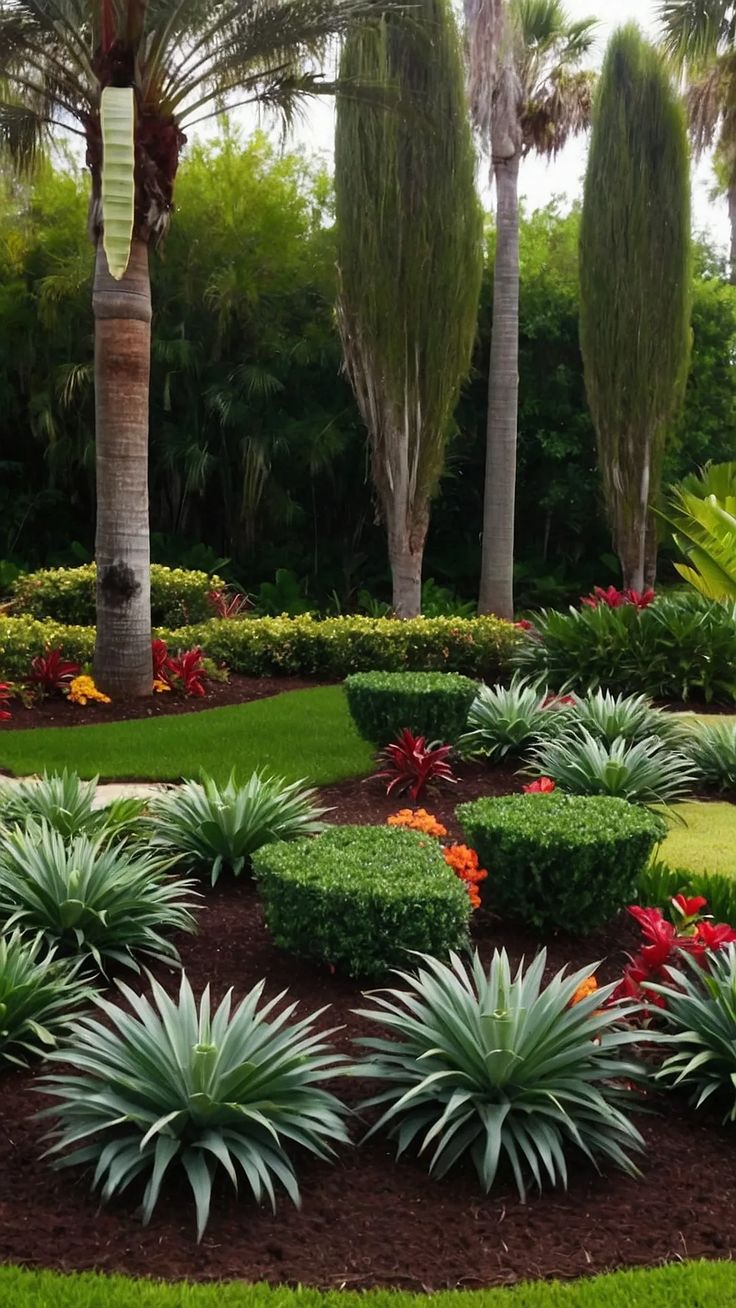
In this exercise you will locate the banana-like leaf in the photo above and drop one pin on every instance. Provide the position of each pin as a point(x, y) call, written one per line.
point(117, 118)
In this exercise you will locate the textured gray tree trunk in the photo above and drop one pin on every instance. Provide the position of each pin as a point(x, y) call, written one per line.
point(497, 554)
point(732, 216)
point(122, 312)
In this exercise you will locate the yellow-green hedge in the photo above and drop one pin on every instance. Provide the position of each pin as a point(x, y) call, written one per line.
point(178, 595)
point(302, 646)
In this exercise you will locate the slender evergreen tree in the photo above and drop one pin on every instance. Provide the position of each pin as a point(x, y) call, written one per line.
point(635, 285)
point(410, 262)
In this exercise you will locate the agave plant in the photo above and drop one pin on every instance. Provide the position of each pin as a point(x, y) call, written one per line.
point(646, 772)
point(214, 827)
point(87, 898)
point(508, 719)
point(499, 1067)
point(39, 996)
point(700, 1015)
point(712, 749)
point(628, 717)
point(66, 803)
point(163, 1082)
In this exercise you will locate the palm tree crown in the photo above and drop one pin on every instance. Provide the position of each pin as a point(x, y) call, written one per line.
point(185, 60)
point(556, 96)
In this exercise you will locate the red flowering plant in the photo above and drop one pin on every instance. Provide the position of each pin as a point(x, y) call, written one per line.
point(613, 598)
point(665, 942)
point(184, 672)
point(410, 764)
point(51, 672)
point(5, 695)
point(542, 786)
point(227, 604)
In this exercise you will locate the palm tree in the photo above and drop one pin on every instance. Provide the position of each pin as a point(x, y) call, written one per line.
point(635, 286)
point(528, 95)
point(700, 35)
point(410, 259)
point(128, 77)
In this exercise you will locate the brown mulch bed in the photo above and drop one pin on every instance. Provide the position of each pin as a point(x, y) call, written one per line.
point(58, 712)
point(370, 1220)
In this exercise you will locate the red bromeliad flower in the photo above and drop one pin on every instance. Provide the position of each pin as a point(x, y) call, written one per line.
point(160, 657)
point(613, 598)
point(227, 605)
point(524, 624)
point(689, 908)
point(411, 764)
point(543, 786)
point(666, 943)
point(188, 671)
point(712, 935)
point(558, 701)
point(5, 693)
point(52, 672)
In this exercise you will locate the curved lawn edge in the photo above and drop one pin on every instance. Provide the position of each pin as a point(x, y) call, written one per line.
point(297, 734)
point(681, 1285)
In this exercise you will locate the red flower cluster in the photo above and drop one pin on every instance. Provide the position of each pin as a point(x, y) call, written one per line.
point(226, 605)
point(666, 942)
point(411, 764)
point(524, 624)
point(544, 786)
point(558, 701)
point(615, 599)
point(4, 699)
point(464, 863)
point(185, 672)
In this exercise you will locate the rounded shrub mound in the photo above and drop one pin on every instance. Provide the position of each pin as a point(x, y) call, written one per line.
point(359, 897)
point(561, 861)
point(431, 704)
point(178, 596)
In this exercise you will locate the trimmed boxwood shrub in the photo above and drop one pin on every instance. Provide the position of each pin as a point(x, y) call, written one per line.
point(302, 646)
point(178, 595)
point(431, 704)
point(561, 861)
point(359, 897)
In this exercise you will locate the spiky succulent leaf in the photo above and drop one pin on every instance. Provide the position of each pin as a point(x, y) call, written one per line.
point(68, 805)
point(700, 1017)
point(501, 1068)
point(507, 720)
point(164, 1082)
point(647, 772)
point(220, 827)
point(712, 748)
point(39, 997)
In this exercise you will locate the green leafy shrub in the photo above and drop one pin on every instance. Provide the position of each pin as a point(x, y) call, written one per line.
point(219, 827)
point(712, 748)
point(39, 996)
point(560, 861)
point(430, 704)
point(66, 803)
point(631, 718)
point(164, 1082)
point(679, 648)
point(507, 720)
point(301, 646)
point(499, 1068)
point(700, 1019)
point(659, 883)
point(647, 772)
point(110, 903)
point(67, 595)
point(359, 897)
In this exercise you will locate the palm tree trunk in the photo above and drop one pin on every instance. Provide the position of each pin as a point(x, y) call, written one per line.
point(122, 311)
point(497, 555)
point(406, 555)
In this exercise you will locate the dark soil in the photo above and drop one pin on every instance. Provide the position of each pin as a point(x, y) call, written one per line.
point(370, 1220)
point(359, 802)
point(58, 712)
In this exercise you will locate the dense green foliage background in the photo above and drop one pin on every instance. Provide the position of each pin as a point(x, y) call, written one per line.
point(257, 450)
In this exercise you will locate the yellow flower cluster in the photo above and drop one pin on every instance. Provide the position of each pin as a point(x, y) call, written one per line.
point(160, 686)
point(83, 689)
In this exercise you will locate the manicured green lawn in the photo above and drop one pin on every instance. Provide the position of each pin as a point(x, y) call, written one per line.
point(707, 843)
point(683, 1285)
point(302, 733)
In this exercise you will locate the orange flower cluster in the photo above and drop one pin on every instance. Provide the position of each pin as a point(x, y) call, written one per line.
point(586, 988)
point(417, 820)
point(464, 863)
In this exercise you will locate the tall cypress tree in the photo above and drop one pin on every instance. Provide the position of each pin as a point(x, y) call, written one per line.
point(410, 260)
point(635, 286)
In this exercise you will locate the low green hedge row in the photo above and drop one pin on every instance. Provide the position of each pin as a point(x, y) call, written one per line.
point(302, 646)
point(430, 704)
point(557, 861)
point(178, 595)
point(358, 898)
